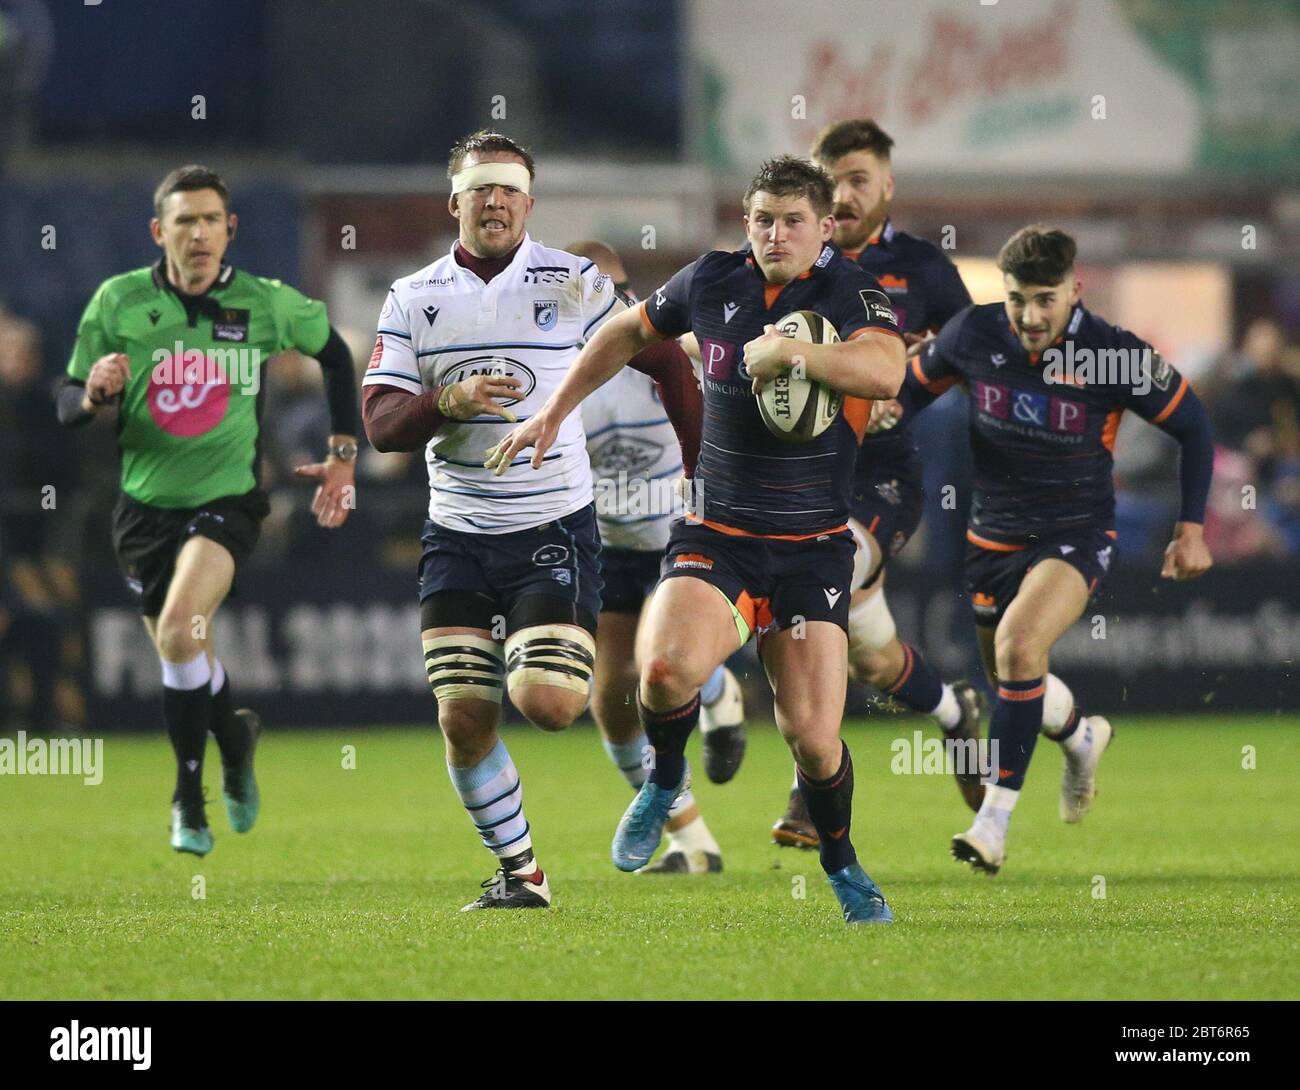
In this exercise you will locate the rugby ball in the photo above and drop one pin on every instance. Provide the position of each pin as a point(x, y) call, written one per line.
point(797, 409)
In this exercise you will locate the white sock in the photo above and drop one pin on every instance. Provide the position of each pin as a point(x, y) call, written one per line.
point(681, 803)
point(187, 675)
point(1080, 740)
point(996, 808)
point(694, 837)
point(948, 712)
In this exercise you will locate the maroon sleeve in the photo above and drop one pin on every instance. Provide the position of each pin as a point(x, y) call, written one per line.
point(399, 420)
point(670, 367)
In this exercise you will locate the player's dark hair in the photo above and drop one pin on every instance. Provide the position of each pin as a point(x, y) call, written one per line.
point(856, 134)
point(188, 179)
point(790, 176)
point(486, 140)
point(1038, 254)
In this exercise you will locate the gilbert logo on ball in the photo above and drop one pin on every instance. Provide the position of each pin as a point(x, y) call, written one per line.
point(795, 408)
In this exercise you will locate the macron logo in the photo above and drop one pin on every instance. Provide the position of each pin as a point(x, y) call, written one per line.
point(832, 596)
point(431, 313)
point(729, 311)
point(121, 1043)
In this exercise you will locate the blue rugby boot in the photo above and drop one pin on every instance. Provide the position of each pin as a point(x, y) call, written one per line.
point(238, 785)
point(642, 826)
point(859, 896)
point(189, 828)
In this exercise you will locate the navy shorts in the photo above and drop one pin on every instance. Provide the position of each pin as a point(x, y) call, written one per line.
point(888, 499)
point(772, 583)
point(478, 577)
point(630, 575)
point(993, 576)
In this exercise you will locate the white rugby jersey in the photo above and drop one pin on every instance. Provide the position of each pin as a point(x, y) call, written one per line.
point(443, 324)
point(636, 461)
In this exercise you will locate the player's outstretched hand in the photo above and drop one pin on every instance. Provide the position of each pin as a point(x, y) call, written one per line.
point(337, 492)
point(108, 375)
point(474, 397)
point(884, 415)
point(1186, 556)
point(537, 432)
point(768, 356)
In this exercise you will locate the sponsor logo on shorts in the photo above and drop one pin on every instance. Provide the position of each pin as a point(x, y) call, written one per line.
point(562, 576)
point(550, 555)
point(692, 560)
point(832, 595)
point(984, 604)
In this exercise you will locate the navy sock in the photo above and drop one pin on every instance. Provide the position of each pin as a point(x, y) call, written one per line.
point(918, 686)
point(1013, 729)
point(830, 805)
point(187, 712)
point(668, 732)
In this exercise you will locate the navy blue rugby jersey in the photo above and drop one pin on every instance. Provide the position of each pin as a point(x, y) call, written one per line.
point(751, 482)
point(1042, 425)
point(925, 291)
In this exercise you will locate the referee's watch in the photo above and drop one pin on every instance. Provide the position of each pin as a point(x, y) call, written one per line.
point(344, 452)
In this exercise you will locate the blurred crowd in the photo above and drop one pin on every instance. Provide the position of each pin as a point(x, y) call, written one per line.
point(56, 488)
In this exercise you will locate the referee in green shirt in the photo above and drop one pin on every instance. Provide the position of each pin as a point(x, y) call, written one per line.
point(181, 347)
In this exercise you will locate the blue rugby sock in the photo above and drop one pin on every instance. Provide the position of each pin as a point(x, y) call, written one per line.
point(918, 686)
point(1013, 729)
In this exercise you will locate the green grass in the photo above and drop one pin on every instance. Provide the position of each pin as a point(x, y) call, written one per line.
point(350, 885)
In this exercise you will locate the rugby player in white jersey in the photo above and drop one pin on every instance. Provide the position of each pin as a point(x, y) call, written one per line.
point(636, 460)
point(510, 574)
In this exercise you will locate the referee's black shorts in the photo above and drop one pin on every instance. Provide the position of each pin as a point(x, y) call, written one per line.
point(146, 539)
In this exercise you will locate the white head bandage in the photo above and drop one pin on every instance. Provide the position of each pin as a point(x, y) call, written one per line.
point(515, 174)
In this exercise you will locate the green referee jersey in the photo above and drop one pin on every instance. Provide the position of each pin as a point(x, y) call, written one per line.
point(189, 415)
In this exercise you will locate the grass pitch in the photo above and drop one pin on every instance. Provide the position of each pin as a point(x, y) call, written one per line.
point(350, 885)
